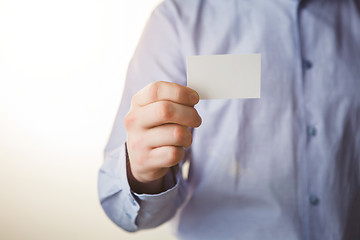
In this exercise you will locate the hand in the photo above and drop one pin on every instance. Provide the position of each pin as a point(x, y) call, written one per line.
point(157, 128)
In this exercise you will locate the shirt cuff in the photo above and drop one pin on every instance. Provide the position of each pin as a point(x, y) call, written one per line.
point(156, 209)
point(171, 183)
point(152, 210)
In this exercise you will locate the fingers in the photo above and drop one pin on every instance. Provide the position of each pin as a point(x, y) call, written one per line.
point(163, 112)
point(165, 91)
point(169, 135)
point(166, 156)
point(157, 128)
point(157, 163)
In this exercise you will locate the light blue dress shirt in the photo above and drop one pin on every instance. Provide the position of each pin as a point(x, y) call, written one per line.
point(286, 166)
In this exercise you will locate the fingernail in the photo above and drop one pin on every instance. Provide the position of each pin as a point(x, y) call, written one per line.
point(194, 97)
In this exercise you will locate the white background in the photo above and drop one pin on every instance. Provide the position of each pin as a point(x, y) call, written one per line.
point(62, 67)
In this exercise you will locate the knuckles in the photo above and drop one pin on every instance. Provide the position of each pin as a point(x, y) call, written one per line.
point(179, 133)
point(175, 154)
point(134, 144)
point(153, 90)
point(178, 94)
point(182, 136)
point(165, 110)
point(137, 153)
point(129, 120)
point(156, 91)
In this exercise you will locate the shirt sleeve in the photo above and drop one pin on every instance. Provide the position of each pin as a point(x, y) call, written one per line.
point(132, 211)
point(157, 58)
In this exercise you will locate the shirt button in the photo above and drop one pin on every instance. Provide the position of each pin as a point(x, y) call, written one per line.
point(307, 64)
point(311, 131)
point(314, 200)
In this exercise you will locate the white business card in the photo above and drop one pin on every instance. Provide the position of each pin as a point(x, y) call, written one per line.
point(225, 76)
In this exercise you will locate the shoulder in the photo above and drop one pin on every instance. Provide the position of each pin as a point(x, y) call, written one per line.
point(185, 9)
point(178, 7)
point(182, 4)
point(182, 7)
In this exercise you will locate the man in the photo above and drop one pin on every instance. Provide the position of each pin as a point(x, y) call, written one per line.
point(286, 166)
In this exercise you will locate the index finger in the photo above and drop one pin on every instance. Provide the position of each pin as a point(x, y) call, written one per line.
point(166, 91)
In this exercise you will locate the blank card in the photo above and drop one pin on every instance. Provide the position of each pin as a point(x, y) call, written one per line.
point(225, 76)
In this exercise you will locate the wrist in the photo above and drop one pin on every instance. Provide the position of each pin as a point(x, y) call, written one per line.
point(152, 187)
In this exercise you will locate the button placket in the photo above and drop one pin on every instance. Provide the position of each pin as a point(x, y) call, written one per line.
point(314, 200)
point(307, 64)
point(311, 131)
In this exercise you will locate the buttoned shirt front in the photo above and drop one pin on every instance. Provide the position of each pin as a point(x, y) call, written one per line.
point(285, 166)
